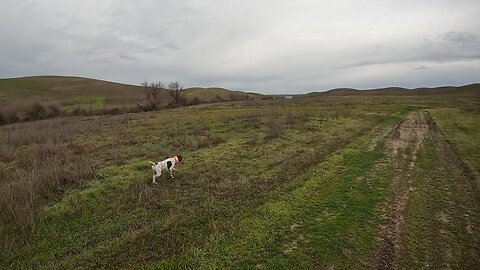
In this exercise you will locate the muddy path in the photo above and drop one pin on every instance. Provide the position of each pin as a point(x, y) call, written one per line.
point(403, 146)
point(444, 230)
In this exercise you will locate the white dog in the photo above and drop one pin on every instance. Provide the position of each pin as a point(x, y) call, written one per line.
point(166, 165)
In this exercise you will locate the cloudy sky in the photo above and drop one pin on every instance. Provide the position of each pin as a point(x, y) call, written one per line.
point(269, 46)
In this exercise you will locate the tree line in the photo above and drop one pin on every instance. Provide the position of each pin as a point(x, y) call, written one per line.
point(153, 95)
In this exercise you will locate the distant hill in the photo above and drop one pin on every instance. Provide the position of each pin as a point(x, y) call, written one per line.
point(214, 94)
point(471, 89)
point(71, 92)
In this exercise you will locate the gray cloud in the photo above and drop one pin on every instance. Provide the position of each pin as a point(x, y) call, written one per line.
point(268, 46)
point(463, 37)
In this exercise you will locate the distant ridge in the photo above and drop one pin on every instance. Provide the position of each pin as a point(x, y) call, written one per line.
point(398, 91)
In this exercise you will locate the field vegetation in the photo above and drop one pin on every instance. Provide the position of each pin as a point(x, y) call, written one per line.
point(319, 182)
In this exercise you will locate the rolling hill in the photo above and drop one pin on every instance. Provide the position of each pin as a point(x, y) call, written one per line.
point(71, 92)
point(218, 94)
point(398, 91)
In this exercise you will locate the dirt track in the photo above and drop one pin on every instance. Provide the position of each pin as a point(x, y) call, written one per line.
point(408, 135)
point(455, 190)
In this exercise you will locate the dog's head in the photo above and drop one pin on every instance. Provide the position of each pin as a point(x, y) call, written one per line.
point(180, 158)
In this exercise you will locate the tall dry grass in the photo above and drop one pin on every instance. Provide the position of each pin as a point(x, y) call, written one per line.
point(39, 159)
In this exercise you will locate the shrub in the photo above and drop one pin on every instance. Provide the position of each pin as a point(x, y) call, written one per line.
point(12, 118)
point(53, 111)
point(114, 111)
point(275, 128)
point(135, 109)
point(195, 101)
point(79, 111)
point(36, 112)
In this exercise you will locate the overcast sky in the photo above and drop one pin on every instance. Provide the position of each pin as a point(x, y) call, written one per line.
point(268, 46)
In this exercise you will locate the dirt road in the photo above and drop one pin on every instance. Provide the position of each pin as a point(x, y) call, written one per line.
point(439, 232)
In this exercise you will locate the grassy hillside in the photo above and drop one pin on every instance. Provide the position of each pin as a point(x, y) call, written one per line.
point(68, 92)
point(216, 94)
point(376, 182)
point(71, 92)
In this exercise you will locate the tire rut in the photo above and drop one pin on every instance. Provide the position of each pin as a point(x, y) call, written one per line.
point(403, 146)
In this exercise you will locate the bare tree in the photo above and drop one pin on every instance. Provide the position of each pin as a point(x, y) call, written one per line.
point(152, 95)
point(175, 90)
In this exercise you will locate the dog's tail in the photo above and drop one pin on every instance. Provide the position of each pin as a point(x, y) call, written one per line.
point(152, 163)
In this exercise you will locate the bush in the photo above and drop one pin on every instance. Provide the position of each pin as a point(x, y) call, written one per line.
point(79, 111)
point(53, 111)
point(12, 118)
point(114, 111)
point(36, 112)
point(275, 128)
point(195, 101)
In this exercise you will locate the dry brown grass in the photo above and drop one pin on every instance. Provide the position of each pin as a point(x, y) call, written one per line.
point(195, 139)
point(37, 160)
point(252, 120)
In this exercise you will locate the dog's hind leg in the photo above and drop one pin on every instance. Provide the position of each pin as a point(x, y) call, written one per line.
point(153, 179)
point(155, 175)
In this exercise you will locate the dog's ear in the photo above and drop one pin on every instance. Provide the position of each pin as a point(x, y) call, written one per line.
point(180, 158)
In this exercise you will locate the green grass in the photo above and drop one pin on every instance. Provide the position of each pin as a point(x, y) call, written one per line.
point(463, 128)
point(441, 212)
point(67, 92)
point(247, 166)
point(327, 219)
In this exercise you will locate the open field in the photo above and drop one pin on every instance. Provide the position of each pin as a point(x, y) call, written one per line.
point(344, 182)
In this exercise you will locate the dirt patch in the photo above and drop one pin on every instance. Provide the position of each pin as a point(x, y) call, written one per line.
point(292, 246)
point(406, 137)
point(409, 132)
point(443, 217)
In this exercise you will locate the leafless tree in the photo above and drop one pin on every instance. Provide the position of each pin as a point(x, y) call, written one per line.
point(175, 90)
point(152, 95)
